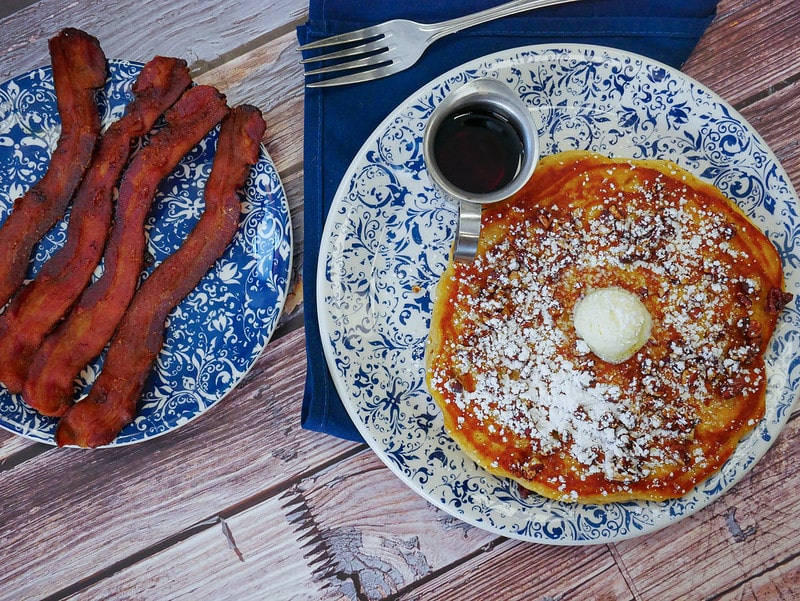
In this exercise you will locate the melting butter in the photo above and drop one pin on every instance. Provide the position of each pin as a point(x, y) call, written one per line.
point(612, 322)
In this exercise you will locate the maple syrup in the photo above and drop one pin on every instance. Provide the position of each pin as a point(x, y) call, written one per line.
point(478, 150)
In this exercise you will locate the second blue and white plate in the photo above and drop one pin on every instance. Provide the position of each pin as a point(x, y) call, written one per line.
point(388, 236)
point(216, 334)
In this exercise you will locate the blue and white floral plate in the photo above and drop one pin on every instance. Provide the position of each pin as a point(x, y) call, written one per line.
point(218, 331)
point(389, 233)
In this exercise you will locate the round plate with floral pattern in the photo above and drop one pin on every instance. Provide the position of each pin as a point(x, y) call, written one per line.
point(388, 237)
point(218, 331)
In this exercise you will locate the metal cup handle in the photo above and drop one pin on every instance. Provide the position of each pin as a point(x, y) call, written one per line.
point(494, 95)
point(469, 231)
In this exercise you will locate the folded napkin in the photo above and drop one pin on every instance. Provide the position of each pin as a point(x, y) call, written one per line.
point(338, 120)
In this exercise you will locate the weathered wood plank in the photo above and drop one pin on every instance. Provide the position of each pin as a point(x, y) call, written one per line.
point(11, 6)
point(750, 47)
point(270, 77)
point(68, 514)
point(200, 31)
point(751, 531)
point(361, 533)
point(12, 444)
point(230, 559)
point(358, 532)
point(353, 531)
point(518, 571)
point(775, 119)
point(771, 583)
point(374, 536)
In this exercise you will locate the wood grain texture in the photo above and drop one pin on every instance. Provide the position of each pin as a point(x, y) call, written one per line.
point(202, 32)
point(756, 42)
point(268, 78)
point(775, 118)
point(368, 536)
point(9, 444)
point(12, 445)
point(226, 559)
point(537, 572)
point(354, 533)
point(242, 503)
point(373, 536)
point(779, 581)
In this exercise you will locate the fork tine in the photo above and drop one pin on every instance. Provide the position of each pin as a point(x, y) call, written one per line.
point(376, 60)
point(377, 73)
point(345, 38)
point(365, 48)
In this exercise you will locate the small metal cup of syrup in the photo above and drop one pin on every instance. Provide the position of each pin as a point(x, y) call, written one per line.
point(480, 146)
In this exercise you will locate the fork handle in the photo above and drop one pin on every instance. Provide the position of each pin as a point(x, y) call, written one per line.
point(439, 30)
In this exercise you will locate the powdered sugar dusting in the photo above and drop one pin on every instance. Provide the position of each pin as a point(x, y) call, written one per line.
point(521, 371)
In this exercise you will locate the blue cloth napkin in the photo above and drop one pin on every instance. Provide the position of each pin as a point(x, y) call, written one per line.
point(338, 120)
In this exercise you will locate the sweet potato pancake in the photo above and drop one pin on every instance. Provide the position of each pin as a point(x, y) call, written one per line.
point(668, 270)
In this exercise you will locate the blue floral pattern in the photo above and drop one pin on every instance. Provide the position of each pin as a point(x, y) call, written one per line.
point(216, 334)
point(389, 234)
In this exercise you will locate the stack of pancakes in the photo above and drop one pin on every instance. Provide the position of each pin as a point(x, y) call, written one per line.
point(525, 396)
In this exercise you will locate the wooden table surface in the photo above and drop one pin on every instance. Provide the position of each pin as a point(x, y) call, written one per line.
point(244, 504)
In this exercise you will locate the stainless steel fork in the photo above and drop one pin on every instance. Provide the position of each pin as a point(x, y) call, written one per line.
point(393, 46)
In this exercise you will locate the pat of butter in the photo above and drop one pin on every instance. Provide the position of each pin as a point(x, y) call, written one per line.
point(612, 322)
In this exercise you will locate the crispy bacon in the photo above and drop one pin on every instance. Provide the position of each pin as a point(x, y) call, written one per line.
point(79, 70)
point(92, 320)
point(59, 283)
point(111, 403)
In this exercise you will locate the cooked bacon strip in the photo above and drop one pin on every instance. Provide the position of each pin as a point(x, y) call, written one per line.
point(79, 70)
point(111, 403)
point(60, 281)
point(92, 320)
